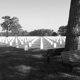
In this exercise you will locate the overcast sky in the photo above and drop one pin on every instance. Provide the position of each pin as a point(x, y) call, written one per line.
point(37, 14)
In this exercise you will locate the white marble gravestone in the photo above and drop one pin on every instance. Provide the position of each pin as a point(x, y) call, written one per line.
point(26, 47)
point(41, 43)
point(30, 44)
point(55, 45)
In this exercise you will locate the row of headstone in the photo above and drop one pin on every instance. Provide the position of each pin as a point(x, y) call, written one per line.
point(57, 39)
point(32, 41)
point(54, 40)
point(51, 42)
point(28, 41)
point(16, 40)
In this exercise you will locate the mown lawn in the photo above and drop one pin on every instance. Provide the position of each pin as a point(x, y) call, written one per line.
point(17, 64)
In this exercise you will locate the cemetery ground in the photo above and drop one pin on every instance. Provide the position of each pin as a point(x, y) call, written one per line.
point(17, 64)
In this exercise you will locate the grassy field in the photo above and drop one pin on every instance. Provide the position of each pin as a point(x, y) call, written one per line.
point(17, 64)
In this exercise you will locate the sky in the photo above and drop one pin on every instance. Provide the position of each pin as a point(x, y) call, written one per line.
point(37, 14)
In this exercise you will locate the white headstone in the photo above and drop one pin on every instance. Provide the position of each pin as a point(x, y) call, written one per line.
point(41, 44)
point(25, 40)
point(10, 43)
point(26, 47)
point(3, 41)
point(51, 43)
point(6, 41)
point(55, 45)
point(64, 39)
point(16, 41)
point(30, 44)
point(57, 40)
point(22, 42)
point(60, 41)
point(17, 46)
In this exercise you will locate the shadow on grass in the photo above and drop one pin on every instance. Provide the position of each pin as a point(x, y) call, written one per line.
point(31, 65)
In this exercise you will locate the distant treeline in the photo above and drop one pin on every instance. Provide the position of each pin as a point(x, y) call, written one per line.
point(39, 32)
point(12, 27)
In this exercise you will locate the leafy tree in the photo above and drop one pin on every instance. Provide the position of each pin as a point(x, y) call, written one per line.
point(62, 30)
point(49, 32)
point(6, 24)
point(41, 32)
point(55, 34)
point(73, 28)
point(11, 24)
point(15, 26)
point(25, 33)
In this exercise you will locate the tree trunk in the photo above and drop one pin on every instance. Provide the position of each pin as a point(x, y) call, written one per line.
point(73, 26)
point(7, 32)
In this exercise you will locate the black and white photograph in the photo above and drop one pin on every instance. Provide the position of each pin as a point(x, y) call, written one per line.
point(39, 39)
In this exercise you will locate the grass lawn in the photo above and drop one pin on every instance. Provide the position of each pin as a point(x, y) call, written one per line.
point(18, 64)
